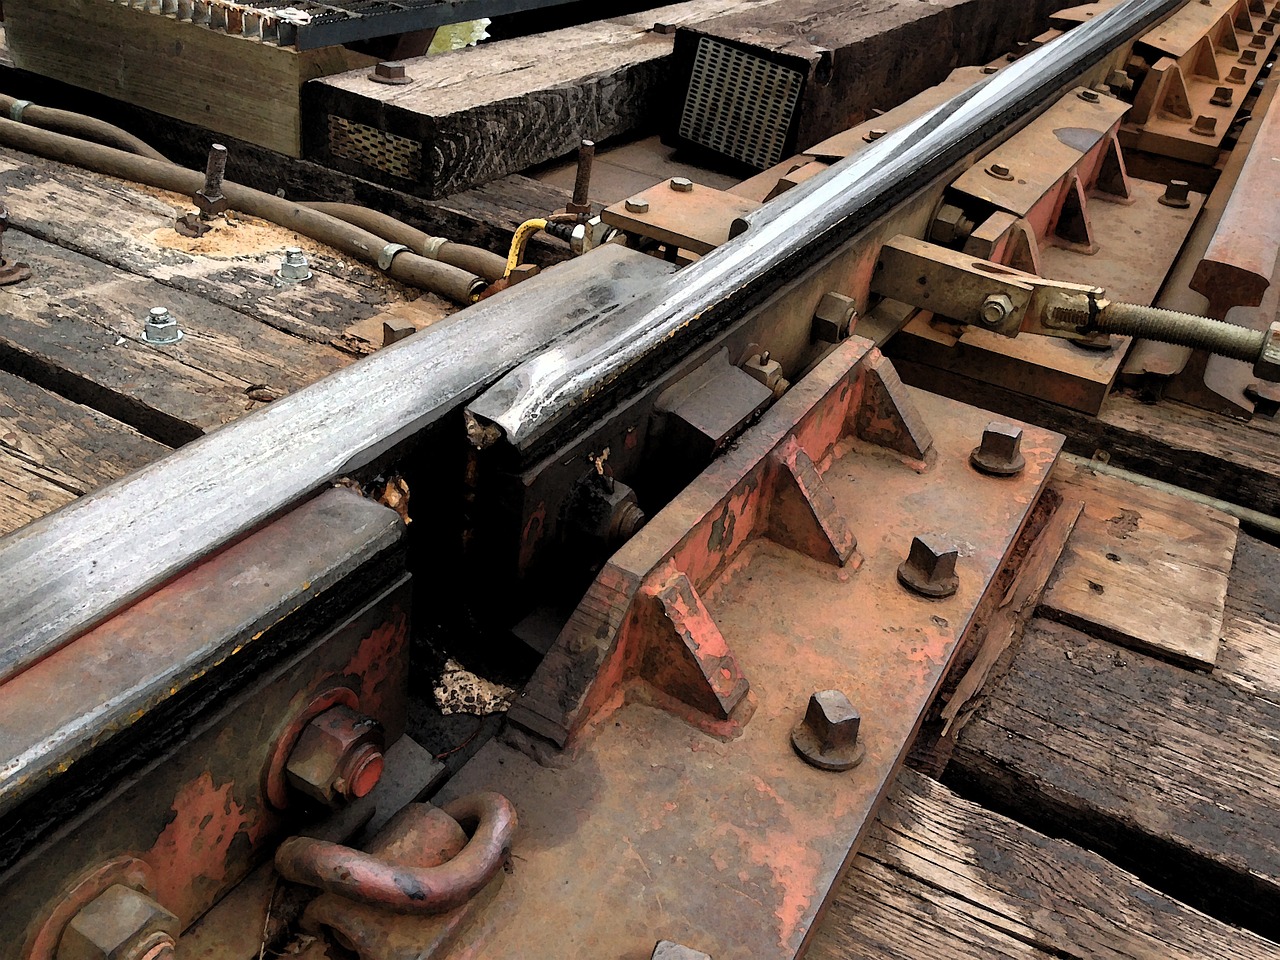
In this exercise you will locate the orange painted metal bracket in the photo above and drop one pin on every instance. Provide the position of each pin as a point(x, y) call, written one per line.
point(650, 758)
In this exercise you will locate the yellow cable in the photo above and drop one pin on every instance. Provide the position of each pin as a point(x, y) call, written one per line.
point(518, 241)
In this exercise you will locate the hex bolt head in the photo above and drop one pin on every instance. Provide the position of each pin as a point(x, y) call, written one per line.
point(950, 225)
point(390, 72)
point(294, 266)
point(1177, 194)
point(1259, 41)
point(681, 184)
point(161, 327)
point(999, 171)
point(337, 757)
point(119, 924)
point(1248, 57)
point(834, 318)
point(1268, 364)
point(930, 567)
point(827, 737)
point(1221, 97)
point(1236, 75)
point(1205, 125)
point(637, 205)
point(995, 310)
point(1089, 96)
point(1268, 27)
point(1000, 453)
point(874, 134)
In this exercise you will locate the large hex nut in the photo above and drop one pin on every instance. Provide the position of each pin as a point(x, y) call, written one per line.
point(210, 207)
point(834, 318)
point(1268, 365)
point(338, 757)
point(120, 924)
point(950, 226)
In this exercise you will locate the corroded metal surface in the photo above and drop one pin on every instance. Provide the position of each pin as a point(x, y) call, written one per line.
point(705, 827)
point(161, 763)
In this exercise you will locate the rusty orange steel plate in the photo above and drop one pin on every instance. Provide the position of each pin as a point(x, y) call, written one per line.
point(701, 825)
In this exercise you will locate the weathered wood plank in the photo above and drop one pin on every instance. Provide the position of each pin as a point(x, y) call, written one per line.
point(75, 327)
point(52, 451)
point(1168, 772)
point(939, 877)
point(475, 115)
point(1250, 654)
point(856, 58)
point(1143, 568)
point(230, 84)
point(131, 227)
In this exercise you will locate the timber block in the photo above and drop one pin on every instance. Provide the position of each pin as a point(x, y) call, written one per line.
point(228, 84)
point(806, 83)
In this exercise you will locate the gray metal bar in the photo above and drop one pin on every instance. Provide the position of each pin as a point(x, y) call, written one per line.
point(70, 570)
point(581, 378)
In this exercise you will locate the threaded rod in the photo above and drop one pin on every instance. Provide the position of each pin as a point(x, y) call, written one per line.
point(1181, 329)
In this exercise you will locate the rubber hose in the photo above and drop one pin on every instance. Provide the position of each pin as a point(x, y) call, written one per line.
point(477, 260)
point(81, 126)
point(407, 267)
point(518, 241)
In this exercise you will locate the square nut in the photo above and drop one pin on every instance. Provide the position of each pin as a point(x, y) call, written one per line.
point(1268, 365)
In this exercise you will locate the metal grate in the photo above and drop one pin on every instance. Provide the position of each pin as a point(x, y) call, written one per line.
point(396, 155)
point(739, 105)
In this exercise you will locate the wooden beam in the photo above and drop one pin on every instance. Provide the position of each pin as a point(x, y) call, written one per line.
point(1168, 772)
point(941, 877)
point(476, 115)
point(228, 84)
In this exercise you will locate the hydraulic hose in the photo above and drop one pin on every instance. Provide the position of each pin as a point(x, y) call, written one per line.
point(477, 260)
point(519, 240)
point(394, 259)
point(76, 125)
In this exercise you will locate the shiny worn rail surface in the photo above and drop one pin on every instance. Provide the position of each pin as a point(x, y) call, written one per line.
point(71, 569)
point(577, 380)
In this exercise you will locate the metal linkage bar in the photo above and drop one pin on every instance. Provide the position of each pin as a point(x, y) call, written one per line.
point(587, 376)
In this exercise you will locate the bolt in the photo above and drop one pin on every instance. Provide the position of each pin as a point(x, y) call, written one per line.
point(988, 70)
point(119, 924)
point(930, 567)
point(637, 205)
point(1177, 194)
point(1000, 454)
point(995, 310)
point(834, 318)
point(160, 327)
point(1258, 41)
point(294, 267)
point(950, 225)
point(669, 950)
point(1267, 27)
point(581, 202)
point(1119, 80)
point(681, 184)
point(1248, 57)
point(1267, 366)
point(337, 758)
point(1089, 96)
point(1205, 125)
point(874, 134)
point(1236, 75)
point(391, 72)
point(1221, 97)
point(827, 737)
point(999, 171)
point(209, 198)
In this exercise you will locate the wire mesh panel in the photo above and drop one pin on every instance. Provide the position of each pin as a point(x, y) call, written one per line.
point(361, 143)
point(739, 105)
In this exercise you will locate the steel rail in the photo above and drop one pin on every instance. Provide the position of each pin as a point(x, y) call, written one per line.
point(578, 381)
point(68, 571)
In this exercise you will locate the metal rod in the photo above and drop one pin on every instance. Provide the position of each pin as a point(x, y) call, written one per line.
point(1255, 518)
point(789, 234)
